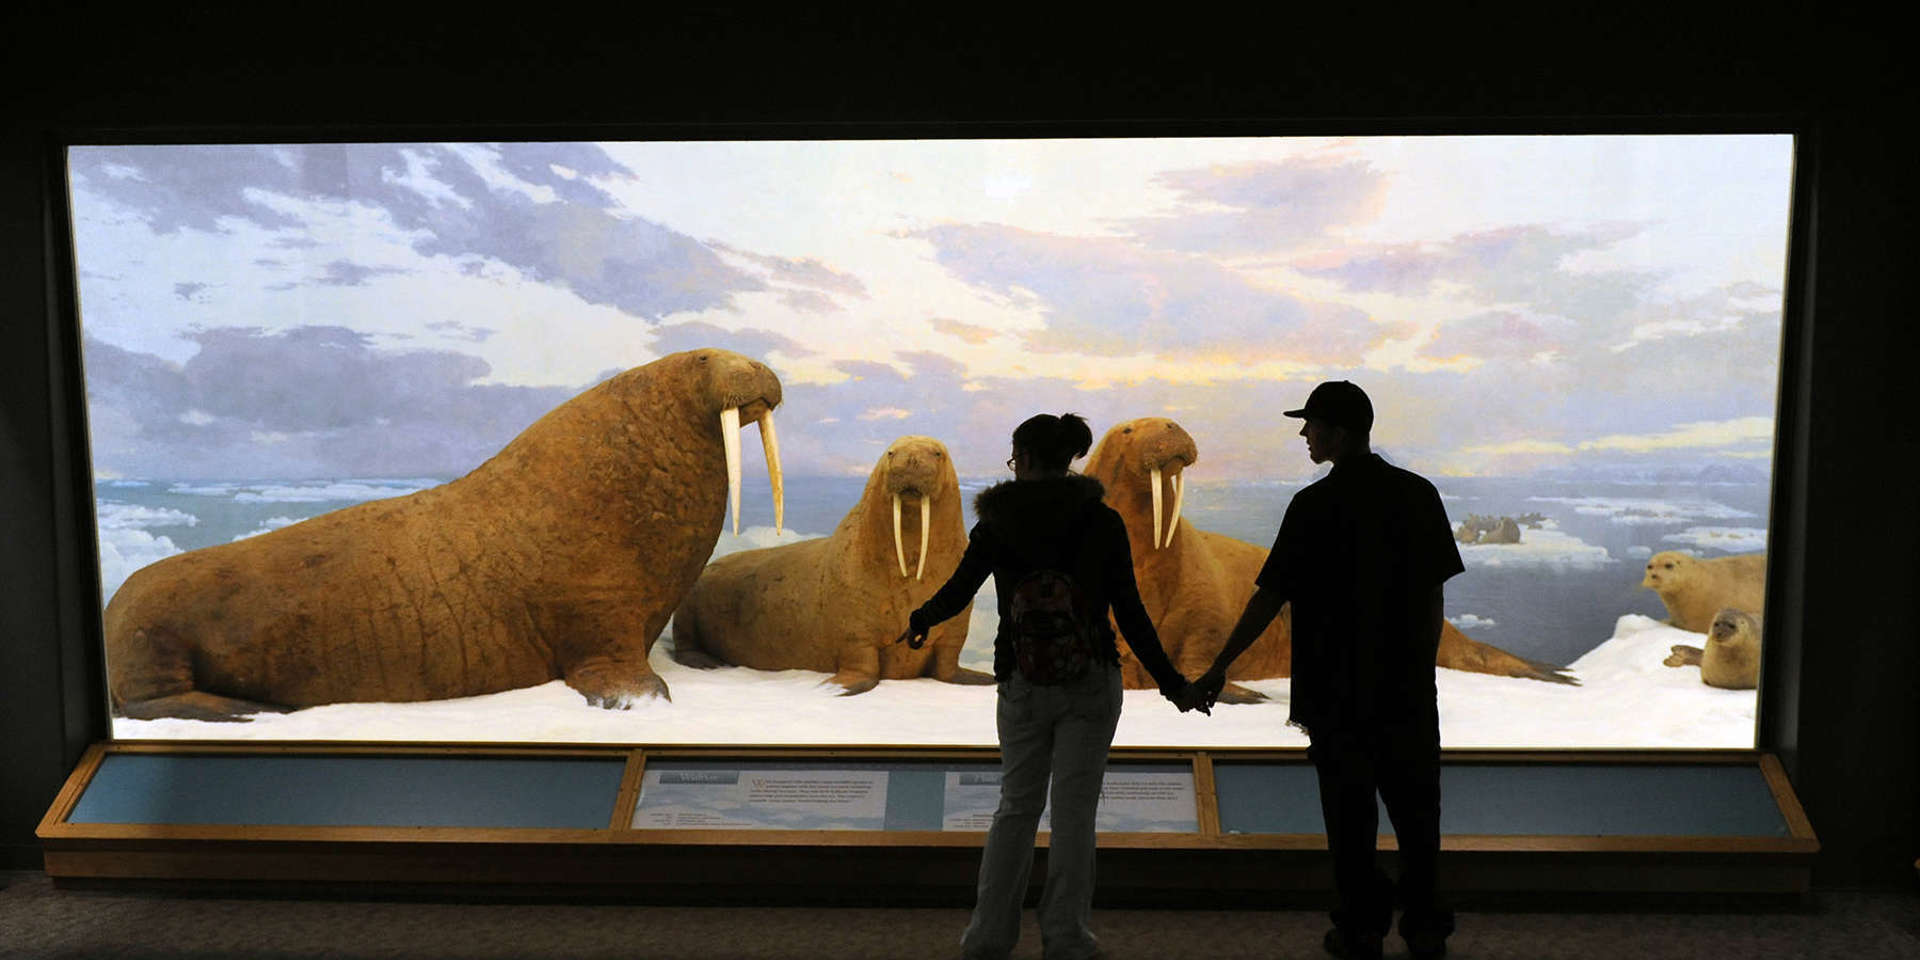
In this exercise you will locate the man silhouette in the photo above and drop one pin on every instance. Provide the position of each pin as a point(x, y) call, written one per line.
point(1361, 555)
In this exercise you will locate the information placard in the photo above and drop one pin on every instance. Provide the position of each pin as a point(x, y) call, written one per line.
point(1131, 801)
point(750, 799)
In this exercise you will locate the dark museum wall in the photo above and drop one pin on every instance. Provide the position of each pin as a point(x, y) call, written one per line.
point(1846, 717)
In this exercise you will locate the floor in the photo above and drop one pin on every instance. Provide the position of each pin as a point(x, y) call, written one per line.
point(38, 920)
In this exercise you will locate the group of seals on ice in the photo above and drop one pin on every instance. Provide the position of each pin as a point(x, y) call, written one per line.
point(1722, 597)
point(565, 555)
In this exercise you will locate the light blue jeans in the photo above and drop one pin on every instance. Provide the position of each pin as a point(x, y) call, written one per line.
point(1047, 734)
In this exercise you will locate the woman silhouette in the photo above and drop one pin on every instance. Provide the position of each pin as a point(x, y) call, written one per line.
point(1047, 527)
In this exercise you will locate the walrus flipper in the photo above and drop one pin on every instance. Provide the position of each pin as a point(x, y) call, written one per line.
point(615, 681)
point(947, 668)
point(859, 670)
point(197, 705)
point(1235, 693)
point(686, 649)
point(1548, 672)
point(1460, 652)
point(1684, 656)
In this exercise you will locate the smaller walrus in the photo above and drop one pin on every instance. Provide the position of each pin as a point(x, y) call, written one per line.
point(1695, 589)
point(1732, 656)
point(833, 604)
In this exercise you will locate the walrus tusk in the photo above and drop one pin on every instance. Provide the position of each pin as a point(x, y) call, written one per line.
point(771, 444)
point(1156, 508)
point(926, 521)
point(1179, 495)
point(730, 439)
point(899, 552)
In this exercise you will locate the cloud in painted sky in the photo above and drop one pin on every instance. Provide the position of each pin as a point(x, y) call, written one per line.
point(1686, 436)
point(1110, 297)
point(313, 401)
point(1268, 206)
point(1519, 264)
point(803, 272)
point(509, 202)
point(964, 332)
point(673, 338)
point(492, 249)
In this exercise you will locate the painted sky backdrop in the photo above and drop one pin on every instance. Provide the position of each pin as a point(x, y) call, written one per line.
point(1512, 304)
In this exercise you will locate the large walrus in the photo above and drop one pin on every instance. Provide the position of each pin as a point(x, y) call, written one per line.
point(1694, 589)
point(562, 556)
point(1194, 583)
point(835, 604)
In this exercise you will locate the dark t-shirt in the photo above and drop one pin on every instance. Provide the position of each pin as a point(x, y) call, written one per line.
point(1358, 555)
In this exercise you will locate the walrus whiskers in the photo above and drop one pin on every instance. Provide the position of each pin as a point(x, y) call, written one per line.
point(1156, 507)
point(730, 440)
point(899, 552)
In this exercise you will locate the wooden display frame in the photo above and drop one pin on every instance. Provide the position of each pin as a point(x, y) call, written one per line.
point(761, 865)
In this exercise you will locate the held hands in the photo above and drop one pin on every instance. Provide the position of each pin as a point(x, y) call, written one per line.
point(1201, 693)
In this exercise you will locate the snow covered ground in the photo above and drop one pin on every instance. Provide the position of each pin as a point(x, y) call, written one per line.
point(1628, 698)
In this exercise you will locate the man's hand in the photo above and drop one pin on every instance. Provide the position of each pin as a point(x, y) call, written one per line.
point(1200, 694)
point(1181, 698)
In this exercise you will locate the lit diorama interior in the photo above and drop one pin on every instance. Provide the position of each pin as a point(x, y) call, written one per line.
point(444, 441)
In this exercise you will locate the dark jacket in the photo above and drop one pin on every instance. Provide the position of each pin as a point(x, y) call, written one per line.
point(1023, 526)
point(1359, 555)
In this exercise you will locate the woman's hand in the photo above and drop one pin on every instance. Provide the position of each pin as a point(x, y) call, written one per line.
point(915, 636)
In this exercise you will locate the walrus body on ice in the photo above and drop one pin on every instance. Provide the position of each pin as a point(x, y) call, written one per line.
point(560, 557)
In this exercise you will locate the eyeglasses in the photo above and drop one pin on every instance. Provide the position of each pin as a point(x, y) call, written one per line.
point(1010, 463)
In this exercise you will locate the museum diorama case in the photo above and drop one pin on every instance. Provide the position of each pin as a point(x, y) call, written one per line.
point(424, 556)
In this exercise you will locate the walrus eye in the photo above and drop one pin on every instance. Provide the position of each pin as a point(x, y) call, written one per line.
point(1127, 430)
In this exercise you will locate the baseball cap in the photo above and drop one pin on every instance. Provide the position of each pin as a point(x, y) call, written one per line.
point(1340, 403)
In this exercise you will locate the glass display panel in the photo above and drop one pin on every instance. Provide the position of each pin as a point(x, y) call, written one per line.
point(350, 791)
point(431, 441)
point(1560, 800)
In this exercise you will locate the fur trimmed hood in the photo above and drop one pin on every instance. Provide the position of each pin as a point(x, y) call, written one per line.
point(1026, 513)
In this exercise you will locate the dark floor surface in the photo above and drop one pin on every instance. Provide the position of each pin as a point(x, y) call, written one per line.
point(38, 920)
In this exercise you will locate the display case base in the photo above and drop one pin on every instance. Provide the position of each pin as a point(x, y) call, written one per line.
point(890, 825)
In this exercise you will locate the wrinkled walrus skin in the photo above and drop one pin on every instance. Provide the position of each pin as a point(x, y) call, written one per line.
point(561, 556)
point(1196, 583)
point(837, 603)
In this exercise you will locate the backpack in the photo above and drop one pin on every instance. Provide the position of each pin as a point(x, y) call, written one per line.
point(1053, 636)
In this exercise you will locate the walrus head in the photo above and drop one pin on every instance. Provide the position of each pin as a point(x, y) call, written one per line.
point(919, 469)
point(1142, 462)
point(1669, 568)
point(740, 391)
point(1728, 623)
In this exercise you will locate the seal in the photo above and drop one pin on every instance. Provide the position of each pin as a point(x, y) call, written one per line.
point(835, 604)
point(1195, 582)
point(562, 556)
point(1694, 589)
point(1732, 656)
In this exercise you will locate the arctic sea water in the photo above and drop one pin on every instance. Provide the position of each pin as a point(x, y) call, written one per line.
point(1552, 597)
